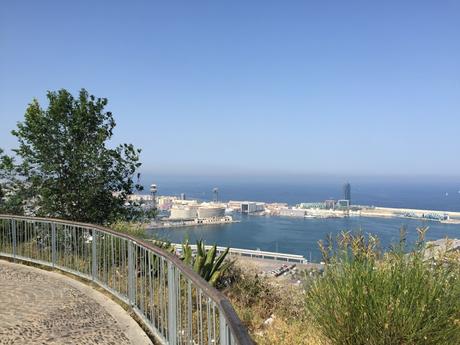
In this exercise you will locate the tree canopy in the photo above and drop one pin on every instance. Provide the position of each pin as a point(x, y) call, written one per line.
point(13, 191)
point(65, 162)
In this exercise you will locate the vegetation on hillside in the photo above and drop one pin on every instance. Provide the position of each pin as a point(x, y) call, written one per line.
point(134, 229)
point(274, 313)
point(365, 296)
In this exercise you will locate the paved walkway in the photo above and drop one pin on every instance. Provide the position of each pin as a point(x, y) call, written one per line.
point(41, 307)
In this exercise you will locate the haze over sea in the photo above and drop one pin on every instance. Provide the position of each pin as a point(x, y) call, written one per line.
point(431, 193)
point(300, 236)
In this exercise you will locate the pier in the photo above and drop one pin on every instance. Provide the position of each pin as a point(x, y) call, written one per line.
point(249, 253)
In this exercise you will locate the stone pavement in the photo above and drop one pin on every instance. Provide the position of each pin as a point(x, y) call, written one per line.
point(41, 307)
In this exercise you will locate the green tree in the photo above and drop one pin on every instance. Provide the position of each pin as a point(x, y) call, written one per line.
point(67, 164)
point(13, 189)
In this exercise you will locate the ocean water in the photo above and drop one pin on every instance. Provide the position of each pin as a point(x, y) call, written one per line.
point(300, 236)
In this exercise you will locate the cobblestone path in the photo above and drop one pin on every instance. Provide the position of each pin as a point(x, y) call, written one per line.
point(40, 307)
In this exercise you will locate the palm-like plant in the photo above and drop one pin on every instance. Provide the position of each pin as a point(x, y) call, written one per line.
point(205, 262)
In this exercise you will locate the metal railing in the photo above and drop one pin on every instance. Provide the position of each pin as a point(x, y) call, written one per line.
point(175, 303)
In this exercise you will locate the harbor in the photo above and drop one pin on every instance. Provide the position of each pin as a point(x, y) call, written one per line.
point(181, 212)
point(298, 235)
point(278, 227)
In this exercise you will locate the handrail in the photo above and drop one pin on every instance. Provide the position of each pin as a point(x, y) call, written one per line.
point(174, 302)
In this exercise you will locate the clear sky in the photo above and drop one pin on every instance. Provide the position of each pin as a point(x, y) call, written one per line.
point(250, 87)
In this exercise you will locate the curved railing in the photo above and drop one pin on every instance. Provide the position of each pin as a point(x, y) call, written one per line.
point(176, 304)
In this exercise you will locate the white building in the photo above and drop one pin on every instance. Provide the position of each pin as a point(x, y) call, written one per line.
point(184, 209)
point(252, 206)
point(191, 209)
point(165, 202)
point(139, 197)
point(211, 211)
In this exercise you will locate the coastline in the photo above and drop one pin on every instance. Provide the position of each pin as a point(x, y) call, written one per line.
point(388, 212)
point(444, 217)
point(299, 235)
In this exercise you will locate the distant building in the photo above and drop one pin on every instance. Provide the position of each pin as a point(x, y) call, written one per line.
point(215, 192)
point(343, 204)
point(347, 192)
point(305, 205)
point(251, 207)
point(191, 209)
point(165, 202)
point(184, 211)
point(211, 211)
point(139, 197)
point(186, 202)
point(182, 196)
point(330, 204)
point(235, 205)
point(246, 206)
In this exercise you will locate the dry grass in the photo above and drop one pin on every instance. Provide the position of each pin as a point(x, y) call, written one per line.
point(257, 299)
point(285, 331)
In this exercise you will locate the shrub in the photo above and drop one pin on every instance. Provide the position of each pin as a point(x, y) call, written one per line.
point(257, 298)
point(130, 228)
point(367, 297)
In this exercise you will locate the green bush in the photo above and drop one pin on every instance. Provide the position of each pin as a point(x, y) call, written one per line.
point(368, 297)
point(130, 228)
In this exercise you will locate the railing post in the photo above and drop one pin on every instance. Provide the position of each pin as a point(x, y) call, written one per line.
point(53, 244)
point(131, 273)
point(94, 255)
point(172, 304)
point(13, 234)
point(224, 339)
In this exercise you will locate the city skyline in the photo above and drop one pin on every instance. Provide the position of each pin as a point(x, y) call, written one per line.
point(250, 88)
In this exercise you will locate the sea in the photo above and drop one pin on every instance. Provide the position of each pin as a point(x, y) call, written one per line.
point(301, 236)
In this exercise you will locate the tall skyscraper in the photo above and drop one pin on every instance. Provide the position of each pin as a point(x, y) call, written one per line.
point(347, 192)
point(215, 191)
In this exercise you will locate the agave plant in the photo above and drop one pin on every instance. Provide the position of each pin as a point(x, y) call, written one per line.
point(205, 262)
point(166, 245)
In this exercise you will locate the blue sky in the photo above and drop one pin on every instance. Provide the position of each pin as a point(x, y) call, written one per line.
point(250, 87)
